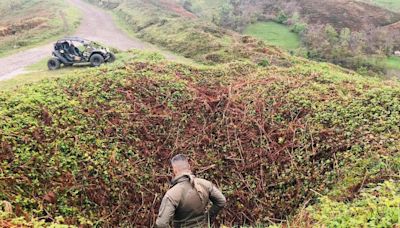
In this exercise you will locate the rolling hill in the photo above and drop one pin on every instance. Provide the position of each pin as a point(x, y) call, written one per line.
point(392, 5)
point(25, 23)
point(347, 14)
point(291, 142)
point(95, 143)
point(353, 14)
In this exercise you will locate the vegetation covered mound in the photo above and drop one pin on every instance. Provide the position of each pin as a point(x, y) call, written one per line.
point(377, 206)
point(93, 148)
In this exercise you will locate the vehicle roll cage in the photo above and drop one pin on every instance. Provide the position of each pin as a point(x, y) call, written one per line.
point(77, 39)
point(68, 51)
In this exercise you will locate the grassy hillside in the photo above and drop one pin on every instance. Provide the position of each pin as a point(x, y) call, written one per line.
point(171, 27)
point(352, 14)
point(393, 5)
point(25, 23)
point(344, 32)
point(91, 147)
point(208, 9)
point(287, 140)
point(274, 34)
point(39, 71)
point(357, 15)
point(390, 63)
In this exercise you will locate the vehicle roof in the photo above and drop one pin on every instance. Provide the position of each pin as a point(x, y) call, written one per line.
point(78, 39)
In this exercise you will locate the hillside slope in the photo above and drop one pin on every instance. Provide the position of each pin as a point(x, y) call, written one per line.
point(392, 5)
point(287, 140)
point(347, 14)
point(169, 26)
point(93, 146)
point(353, 14)
point(25, 23)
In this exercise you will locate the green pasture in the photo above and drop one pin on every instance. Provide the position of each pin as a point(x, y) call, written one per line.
point(275, 34)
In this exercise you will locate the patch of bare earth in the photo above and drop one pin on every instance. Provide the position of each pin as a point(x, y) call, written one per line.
point(23, 26)
point(176, 8)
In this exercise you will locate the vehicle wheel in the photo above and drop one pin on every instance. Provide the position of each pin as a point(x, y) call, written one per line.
point(112, 58)
point(96, 60)
point(53, 64)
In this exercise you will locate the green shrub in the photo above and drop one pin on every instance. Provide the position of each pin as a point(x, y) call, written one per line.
point(299, 27)
point(264, 63)
point(282, 17)
point(377, 206)
point(96, 143)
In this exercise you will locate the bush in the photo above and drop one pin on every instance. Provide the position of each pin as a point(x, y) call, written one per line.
point(264, 63)
point(377, 206)
point(95, 143)
point(282, 17)
point(299, 27)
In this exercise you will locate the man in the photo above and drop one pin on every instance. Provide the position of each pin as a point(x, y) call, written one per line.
point(186, 202)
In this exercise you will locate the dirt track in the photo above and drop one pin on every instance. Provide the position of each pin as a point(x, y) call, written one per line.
point(96, 25)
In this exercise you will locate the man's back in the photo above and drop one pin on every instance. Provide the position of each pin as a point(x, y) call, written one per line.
point(186, 203)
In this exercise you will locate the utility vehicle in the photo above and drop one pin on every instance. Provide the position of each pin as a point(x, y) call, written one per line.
point(75, 50)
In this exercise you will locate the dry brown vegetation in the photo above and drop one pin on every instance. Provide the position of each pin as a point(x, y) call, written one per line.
point(351, 14)
point(92, 148)
point(346, 14)
point(176, 8)
point(23, 25)
point(96, 146)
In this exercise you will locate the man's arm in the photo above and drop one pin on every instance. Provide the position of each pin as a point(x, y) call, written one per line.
point(167, 211)
point(218, 202)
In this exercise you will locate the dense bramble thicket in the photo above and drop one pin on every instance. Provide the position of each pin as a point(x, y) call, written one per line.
point(93, 148)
